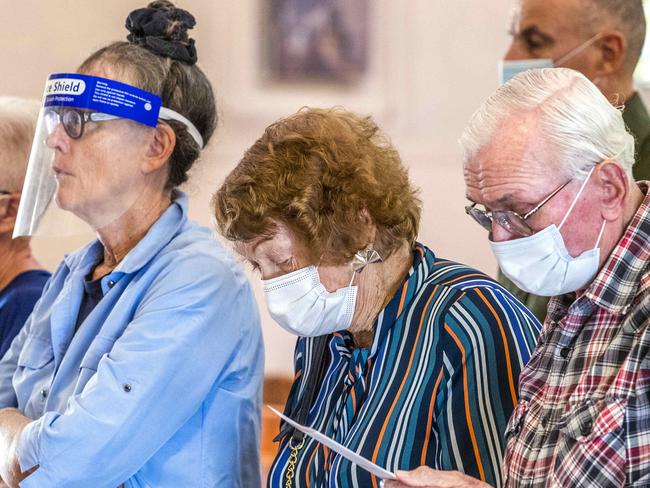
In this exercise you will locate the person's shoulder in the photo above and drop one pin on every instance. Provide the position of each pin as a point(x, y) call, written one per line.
point(481, 304)
point(30, 278)
point(457, 276)
point(19, 298)
point(195, 248)
point(27, 286)
point(468, 283)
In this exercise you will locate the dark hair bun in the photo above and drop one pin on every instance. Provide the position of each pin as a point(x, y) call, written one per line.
point(162, 28)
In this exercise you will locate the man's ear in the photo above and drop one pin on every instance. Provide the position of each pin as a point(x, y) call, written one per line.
point(612, 46)
point(160, 148)
point(8, 212)
point(614, 187)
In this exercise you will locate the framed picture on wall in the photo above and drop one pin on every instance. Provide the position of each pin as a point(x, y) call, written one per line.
point(281, 55)
point(316, 40)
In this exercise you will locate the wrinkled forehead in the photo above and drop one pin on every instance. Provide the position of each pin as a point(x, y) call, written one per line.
point(516, 164)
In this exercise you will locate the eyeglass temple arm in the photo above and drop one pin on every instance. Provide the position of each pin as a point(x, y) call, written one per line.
point(543, 202)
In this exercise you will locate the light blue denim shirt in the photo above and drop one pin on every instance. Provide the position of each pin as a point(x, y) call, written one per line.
point(160, 386)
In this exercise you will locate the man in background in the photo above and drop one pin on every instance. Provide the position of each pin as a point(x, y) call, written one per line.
point(21, 276)
point(603, 40)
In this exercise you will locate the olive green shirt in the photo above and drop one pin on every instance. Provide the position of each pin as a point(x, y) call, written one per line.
point(637, 120)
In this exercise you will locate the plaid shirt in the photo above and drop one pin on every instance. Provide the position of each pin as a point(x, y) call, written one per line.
point(584, 412)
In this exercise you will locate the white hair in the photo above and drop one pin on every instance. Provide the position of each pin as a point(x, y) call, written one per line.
point(18, 118)
point(573, 117)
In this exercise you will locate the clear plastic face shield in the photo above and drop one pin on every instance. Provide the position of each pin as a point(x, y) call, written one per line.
point(86, 166)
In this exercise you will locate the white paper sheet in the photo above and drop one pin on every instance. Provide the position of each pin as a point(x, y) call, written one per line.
point(352, 456)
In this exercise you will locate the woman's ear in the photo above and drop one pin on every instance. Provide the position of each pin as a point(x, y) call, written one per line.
point(160, 148)
point(366, 220)
point(614, 187)
point(364, 217)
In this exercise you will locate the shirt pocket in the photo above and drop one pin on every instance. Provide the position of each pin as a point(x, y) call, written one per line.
point(35, 354)
point(100, 346)
point(32, 377)
point(591, 449)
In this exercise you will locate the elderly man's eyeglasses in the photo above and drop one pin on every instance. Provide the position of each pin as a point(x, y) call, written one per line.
point(511, 221)
point(73, 120)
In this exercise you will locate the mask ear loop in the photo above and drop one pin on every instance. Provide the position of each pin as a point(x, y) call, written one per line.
point(354, 273)
point(600, 234)
point(576, 50)
point(575, 200)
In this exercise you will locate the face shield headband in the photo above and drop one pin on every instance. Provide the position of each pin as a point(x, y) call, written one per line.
point(98, 99)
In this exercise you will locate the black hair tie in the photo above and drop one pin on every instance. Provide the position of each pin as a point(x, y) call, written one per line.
point(148, 28)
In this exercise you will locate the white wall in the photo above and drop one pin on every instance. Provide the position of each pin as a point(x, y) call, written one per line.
point(432, 63)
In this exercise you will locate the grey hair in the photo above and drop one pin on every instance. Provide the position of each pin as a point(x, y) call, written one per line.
point(18, 118)
point(628, 16)
point(573, 117)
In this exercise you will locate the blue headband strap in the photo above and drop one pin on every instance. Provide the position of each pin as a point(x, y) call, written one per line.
point(113, 98)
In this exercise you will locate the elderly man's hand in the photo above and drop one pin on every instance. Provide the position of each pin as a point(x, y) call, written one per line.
point(12, 423)
point(430, 478)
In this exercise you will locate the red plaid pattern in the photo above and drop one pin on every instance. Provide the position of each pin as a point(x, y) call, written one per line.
point(584, 412)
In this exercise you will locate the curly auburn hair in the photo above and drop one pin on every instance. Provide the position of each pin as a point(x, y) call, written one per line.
point(322, 173)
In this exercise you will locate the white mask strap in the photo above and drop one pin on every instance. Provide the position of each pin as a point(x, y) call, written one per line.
point(575, 200)
point(600, 234)
point(354, 273)
point(576, 50)
point(169, 114)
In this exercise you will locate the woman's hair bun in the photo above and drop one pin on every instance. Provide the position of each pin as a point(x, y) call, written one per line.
point(162, 28)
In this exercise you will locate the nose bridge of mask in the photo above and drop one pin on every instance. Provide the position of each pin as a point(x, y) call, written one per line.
point(576, 50)
point(293, 285)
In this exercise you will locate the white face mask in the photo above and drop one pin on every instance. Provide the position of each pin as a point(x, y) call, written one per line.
point(508, 69)
point(540, 264)
point(299, 302)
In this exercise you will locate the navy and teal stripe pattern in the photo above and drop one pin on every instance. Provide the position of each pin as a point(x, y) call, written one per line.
point(436, 387)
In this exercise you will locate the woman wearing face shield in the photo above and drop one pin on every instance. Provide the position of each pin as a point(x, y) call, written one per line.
point(402, 356)
point(141, 364)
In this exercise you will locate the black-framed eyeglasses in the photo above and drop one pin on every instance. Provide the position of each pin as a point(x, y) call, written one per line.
point(73, 120)
point(511, 221)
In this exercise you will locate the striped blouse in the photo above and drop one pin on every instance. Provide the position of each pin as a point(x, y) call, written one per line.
point(436, 387)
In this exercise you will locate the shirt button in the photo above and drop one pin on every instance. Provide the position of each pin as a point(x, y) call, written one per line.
point(126, 387)
point(111, 283)
point(564, 352)
point(586, 428)
point(43, 393)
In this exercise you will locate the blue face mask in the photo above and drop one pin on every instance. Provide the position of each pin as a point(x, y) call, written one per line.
point(508, 69)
